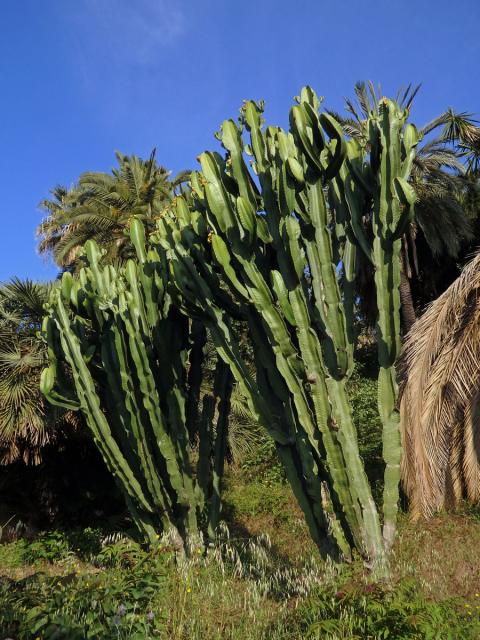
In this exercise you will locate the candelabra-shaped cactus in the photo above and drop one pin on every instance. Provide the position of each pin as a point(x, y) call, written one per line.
point(277, 249)
point(278, 257)
point(134, 366)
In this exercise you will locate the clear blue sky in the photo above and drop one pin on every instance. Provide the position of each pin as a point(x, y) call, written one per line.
point(82, 78)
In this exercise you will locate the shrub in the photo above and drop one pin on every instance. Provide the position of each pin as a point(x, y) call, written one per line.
point(374, 613)
point(108, 605)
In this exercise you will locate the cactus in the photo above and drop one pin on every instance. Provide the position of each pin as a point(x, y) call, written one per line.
point(269, 256)
point(277, 253)
point(136, 366)
point(377, 186)
point(274, 252)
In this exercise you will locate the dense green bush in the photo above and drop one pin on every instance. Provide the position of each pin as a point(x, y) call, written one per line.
point(261, 464)
point(53, 546)
point(108, 604)
point(373, 613)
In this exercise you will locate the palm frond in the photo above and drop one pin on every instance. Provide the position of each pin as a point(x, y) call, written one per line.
point(439, 407)
point(27, 422)
point(100, 206)
point(458, 127)
point(244, 432)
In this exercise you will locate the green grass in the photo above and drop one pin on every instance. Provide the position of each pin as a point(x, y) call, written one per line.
point(82, 584)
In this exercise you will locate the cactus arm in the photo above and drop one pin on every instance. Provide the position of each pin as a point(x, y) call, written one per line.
point(299, 473)
point(232, 141)
point(116, 366)
point(336, 147)
point(348, 288)
point(372, 538)
point(198, 336)
point(282, 296)
point(222, 390)
point(204, 471)
point(328, 300)
point(288, 362)
point(392, 150)
point(291, 369)
point(88, 399)
point(189, 282)
point(151, 405)
point(335, 463)
point(386, 217)
point(47, 384)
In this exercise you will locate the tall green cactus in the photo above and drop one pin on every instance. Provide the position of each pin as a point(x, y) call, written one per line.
point(135, 362)
point(272, 251)
point(374, 188)
point(270, 255)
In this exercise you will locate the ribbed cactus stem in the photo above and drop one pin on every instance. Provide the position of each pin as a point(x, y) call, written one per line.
point(222, 390)
point(392, 150)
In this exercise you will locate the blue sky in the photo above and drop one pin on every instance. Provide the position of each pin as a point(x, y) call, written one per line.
point(82, 78)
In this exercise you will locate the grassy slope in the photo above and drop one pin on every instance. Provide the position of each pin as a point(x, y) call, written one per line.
point(245, 588)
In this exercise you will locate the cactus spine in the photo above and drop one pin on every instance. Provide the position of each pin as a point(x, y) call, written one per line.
point(136, 368)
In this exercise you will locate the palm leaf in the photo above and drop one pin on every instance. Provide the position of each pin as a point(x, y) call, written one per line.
point(440, 409)
point(27, 422)
point(100, 207)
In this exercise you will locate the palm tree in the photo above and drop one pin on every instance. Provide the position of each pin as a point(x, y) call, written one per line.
point(101, 206)
point(440, 399)
point(444, 215)
point(27, 422)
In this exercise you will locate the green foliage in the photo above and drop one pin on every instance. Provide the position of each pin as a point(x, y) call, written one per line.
point(371, 613)
point(13, 554)
point(109, 605)
point(252, 499)
point(363, 393)
point(238, 590)
point(100, 208)
point(85, 542)
point(262, 463)
point(58, 545)
point(121, 552)
point(27, 422)
point(52, 546)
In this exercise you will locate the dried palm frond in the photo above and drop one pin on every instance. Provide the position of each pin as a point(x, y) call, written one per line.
point(244, 432)
point(440, 399)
